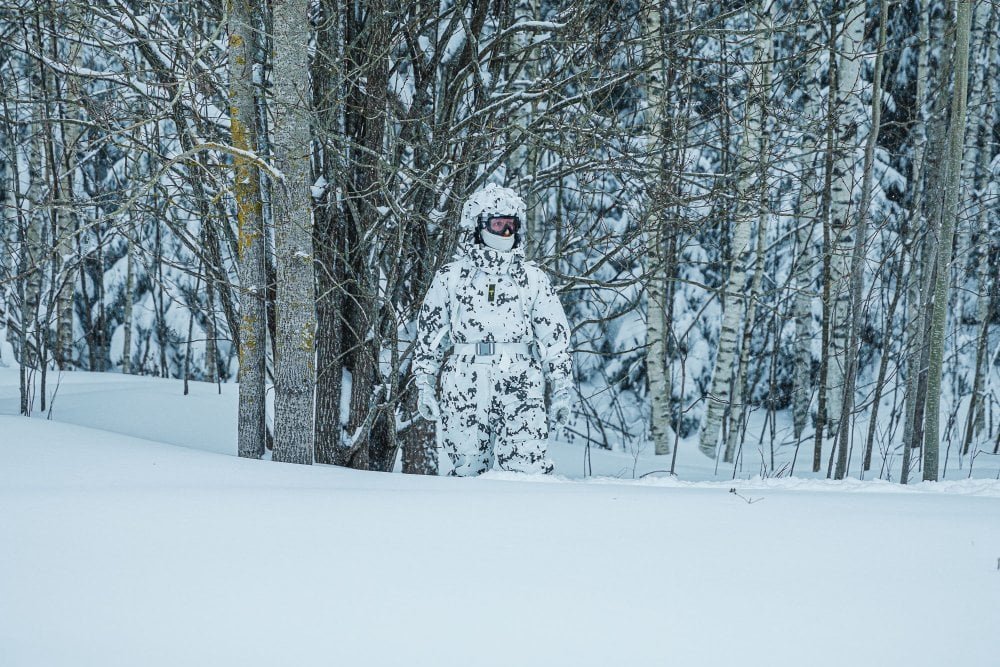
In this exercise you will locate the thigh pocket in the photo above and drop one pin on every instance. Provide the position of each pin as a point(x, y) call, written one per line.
point(526, 421)
point(521, 383)
point(460, 386)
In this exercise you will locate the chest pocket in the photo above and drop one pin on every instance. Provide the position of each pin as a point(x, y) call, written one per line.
point(487, 307)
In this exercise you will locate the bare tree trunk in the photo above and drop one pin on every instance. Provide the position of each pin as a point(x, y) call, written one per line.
point(979, 175)
point(657, 326)
point(848, 122)
point(935, 186)
point(68, 134)
point(808, 213)
point(912, 241)
point(738, 410)
point(329, 237)
point(23, 177)
point(129, 303)
point(887, 340)
point(211, 346)
point(763, 54)
point(253, 334)
point(368, 37)
point(735, 290)
point(956, 135)
point(523, 162)
point(294, 367)
point(829, 158)
point(858, 255)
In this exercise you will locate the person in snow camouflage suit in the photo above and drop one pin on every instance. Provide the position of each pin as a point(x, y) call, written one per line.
point(506, 330)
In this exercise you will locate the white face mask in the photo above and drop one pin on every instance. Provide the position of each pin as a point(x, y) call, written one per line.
point(503, 244)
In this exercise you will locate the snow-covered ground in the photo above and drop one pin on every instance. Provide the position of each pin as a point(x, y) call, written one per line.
point(131, 535)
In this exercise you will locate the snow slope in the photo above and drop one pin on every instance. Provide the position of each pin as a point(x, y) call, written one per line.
point(119, 547)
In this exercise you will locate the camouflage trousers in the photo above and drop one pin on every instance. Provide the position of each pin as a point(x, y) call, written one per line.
point(493, 408)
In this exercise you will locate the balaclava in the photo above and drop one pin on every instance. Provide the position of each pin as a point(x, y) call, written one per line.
point(507, 209)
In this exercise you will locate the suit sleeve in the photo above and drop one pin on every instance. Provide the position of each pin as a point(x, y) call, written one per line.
point(433, 328)
point(551, 329)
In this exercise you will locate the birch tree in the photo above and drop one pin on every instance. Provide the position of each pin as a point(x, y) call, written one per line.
point(848, 104)
point(735, 293)
point(808, 215)
point(657, 322)
point(763, 59)
point(859, 252)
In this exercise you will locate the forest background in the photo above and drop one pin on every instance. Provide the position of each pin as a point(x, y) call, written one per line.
point(773, 208)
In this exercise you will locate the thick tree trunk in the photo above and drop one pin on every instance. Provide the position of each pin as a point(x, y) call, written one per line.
point(956, 135)
point(294, 367)
point(252, 421)
point(368, 37)
point(329, 237)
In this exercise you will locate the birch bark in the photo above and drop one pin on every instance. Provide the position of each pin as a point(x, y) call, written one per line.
point(858, 253)
point(294, 367)
point(735, 289)
point(763, 56)
point(848, 103)
point(657, 326)
point(66, 134)
point(808, 213)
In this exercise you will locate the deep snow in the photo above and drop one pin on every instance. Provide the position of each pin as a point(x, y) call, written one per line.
point(131, 535)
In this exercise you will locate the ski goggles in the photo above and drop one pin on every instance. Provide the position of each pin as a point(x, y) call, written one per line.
point(501, 225)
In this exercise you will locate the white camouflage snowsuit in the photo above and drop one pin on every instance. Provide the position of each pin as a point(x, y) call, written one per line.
point(493, 405)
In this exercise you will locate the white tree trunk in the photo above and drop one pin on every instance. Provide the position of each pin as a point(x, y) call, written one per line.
point(67, 134)
point(859, 251)
point(735, 290)
point(294, 367)
point(65, 228)
point(657, 326)
point(804, 235)
point(849, 119)
point(956, 135)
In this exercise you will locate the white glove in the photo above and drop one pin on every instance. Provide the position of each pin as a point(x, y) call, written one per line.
point(560, 407)
point(427, 404)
